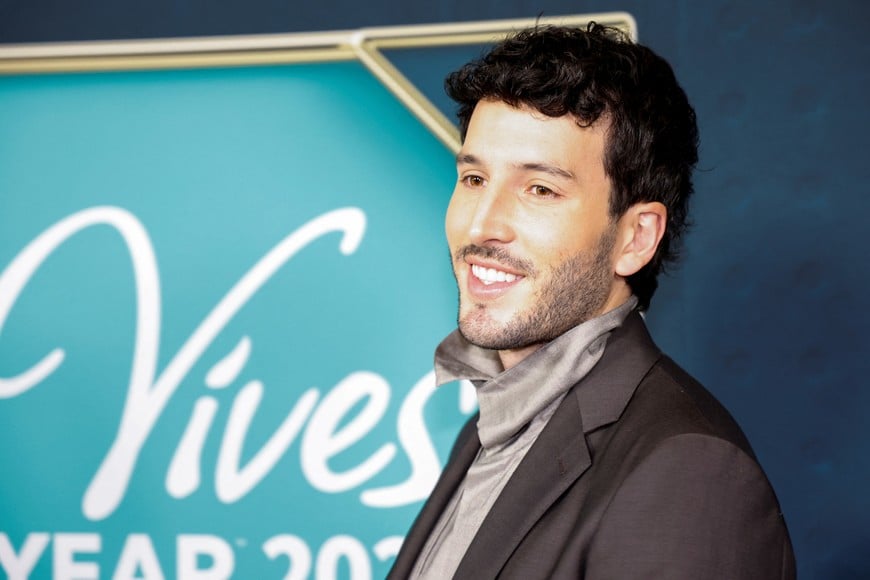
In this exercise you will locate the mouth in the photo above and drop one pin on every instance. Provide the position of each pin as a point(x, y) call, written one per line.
point(491, 276)
point(489, 281)
point(490, 272)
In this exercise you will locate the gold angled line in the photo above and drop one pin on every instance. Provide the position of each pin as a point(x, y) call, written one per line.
point(365, 45)
point(368, 43)
point(172, 61)
point(486, 31)
point(216, 51)
point(407, 93)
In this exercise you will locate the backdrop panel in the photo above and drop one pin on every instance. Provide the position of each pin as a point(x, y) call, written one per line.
point(220, 294)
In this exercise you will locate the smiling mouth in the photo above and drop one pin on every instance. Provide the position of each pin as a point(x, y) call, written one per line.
point(491, 275)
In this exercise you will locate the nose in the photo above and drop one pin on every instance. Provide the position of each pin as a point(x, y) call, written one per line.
point(492, 221)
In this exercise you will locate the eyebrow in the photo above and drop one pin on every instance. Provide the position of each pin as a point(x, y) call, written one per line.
point(466, 159)
point(554, 170)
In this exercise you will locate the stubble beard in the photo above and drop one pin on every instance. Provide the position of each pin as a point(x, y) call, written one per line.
point(576, 292)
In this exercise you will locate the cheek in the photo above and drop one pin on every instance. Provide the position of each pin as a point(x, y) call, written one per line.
point(551, 240)
point(454, 225)
point(551, 252)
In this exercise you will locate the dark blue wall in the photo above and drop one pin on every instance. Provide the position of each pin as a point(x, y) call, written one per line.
point(766, 308)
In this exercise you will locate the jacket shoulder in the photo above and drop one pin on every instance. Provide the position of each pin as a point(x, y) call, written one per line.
point(685, 493)
point(669, 402)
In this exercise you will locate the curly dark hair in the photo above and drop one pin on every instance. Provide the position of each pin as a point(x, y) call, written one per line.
point(598, 73)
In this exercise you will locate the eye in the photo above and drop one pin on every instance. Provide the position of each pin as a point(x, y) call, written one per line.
point(541, 191)
point(473, 181)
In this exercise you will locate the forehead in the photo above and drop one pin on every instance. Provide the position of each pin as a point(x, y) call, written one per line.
point(501, 133)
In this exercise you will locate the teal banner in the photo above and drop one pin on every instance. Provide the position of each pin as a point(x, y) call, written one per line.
point(220, 291)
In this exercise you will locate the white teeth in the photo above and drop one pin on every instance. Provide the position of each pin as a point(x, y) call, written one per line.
point(491, 275)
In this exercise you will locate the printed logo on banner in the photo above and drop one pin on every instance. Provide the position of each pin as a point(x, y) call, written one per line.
point(219, 296)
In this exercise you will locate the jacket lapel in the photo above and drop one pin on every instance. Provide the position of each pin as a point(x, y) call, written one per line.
point(560, 455)
point(464, 452)
point(551, 465)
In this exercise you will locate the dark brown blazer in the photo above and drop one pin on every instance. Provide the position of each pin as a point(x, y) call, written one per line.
point(640, 473)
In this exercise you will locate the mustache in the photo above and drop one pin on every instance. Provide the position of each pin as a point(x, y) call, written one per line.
point(497, 254)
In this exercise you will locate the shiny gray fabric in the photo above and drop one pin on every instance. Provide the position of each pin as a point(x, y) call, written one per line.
point(515, 406)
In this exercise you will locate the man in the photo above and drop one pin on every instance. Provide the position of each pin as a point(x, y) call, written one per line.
point(593, 455)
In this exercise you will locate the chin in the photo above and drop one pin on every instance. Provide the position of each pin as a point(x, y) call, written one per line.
point(483, 340)
point(478, 330)
point(489, 334)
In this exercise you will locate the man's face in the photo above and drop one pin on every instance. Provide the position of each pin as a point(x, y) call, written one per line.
point(528, 228)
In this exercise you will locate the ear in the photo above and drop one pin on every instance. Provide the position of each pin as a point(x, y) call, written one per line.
point(640, 229)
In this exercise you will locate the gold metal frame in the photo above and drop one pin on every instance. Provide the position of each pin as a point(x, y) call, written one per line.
point(365, 45)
